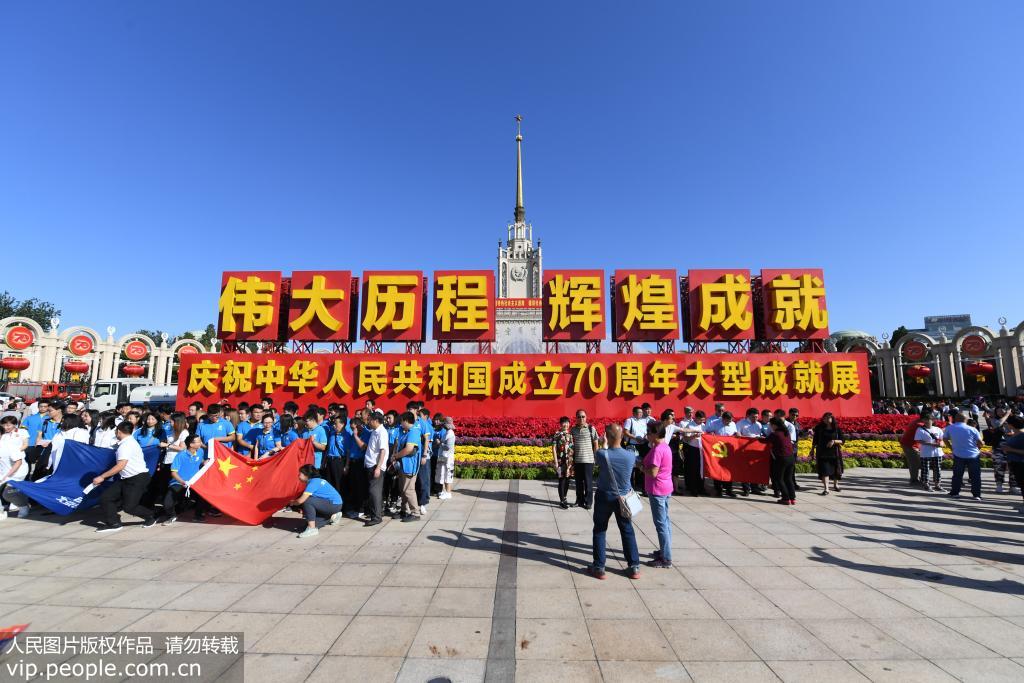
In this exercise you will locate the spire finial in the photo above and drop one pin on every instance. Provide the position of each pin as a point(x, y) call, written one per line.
point(520, 212)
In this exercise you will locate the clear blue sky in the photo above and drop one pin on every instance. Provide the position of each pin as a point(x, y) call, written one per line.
point(147, 146)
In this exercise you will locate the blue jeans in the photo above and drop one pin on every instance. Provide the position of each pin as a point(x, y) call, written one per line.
point(973, 467)
point(659, 513)
point(606, 505)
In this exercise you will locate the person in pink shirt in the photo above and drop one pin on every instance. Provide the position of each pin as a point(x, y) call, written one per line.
point(658, 485)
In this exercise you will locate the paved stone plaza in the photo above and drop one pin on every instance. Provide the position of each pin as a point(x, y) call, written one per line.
point(879, 582)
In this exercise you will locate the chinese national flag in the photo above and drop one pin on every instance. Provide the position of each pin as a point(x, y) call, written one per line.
point(252, 490)
point(736, 458)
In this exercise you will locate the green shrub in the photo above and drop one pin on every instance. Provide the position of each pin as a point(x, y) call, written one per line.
point(804, 468)
point(851, 462)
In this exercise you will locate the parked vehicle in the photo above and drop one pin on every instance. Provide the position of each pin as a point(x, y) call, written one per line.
point(107, 393)
point(155, 396)
point(33, 391)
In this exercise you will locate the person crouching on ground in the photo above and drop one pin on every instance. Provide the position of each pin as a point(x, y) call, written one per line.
point(613, 480)
point(319, 501)
point(186, 464)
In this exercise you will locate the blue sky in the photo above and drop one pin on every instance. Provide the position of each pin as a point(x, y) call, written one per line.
point(146, 147)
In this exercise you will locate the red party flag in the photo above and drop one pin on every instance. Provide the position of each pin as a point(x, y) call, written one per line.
point(736, 458)
point(252, 490)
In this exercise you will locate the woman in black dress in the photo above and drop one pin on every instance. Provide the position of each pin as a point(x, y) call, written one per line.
point(825, 444)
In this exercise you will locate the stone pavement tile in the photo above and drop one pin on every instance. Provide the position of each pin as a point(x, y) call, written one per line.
point(994, 633)
point(454, 670)
point(768, 577)
point(554, 603)
point(713, 672)
point(892, 577)
point(148, 568)
point(803, 540)
point(253, 626)
point(824, 578)
point(41, 566)
point(807, 603)
point(303, 573)
point(601, 604)
point(857, 639)
point(931, 639)
point(367, 636)
point(814, 672)
point(93, 593)
point(94, 567)
point(741, 557)
point(212, 595)
point(276, 599)
point(398, 601)
point(742, 603)
point(630, 672)
point(715, 542)
point(712, 578)
point(250, 571)
point(983, 670)
point(375, 554)
point(103, 619)
point(629, 640)
point(276, 668)
point(902, 671)
point(792, 557)
point(870, 604)
point(989, 600)
point(615, 578)
point(422, 575)
point(889, 557)
point(201, 570)
point(461, 602)
point(356, 574)
point(665, 578)
point(303, 634)
point(553, 639)
point(759, 540)
point(437, 555)
point(452, 637)
point(698, 557)
point(355, 669)
point(171, 620)
point(676, 604)
point(151, 594)
point(8, 582)
point(781, 639)
point(42, 617)
point(547, 671)
point(333, 600)
point(471, 576)
point(42, 589)
point(933, 603)
point(468, 555)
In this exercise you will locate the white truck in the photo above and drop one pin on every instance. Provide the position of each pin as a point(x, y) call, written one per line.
point(107, 393)
point(154, 396)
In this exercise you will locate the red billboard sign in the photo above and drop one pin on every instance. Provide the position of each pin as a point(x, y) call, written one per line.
point(721, 305)
point(646, 305)
point(573, 307)
point(393, 306)
point(464, 305)
point(319, 305)
point(527, 385)
point(249, 306)
point(794, 304)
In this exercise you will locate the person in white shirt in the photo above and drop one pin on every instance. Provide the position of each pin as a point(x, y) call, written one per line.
point(929, 438)
point(693, 464)
point(751, 428)
point(129, 486)
point(13, 443)
point(106, 433)
point(634, 438)
point(445, 456)
point(715, 421)
point(724, 427)
point(71, 429)
point(375, 461)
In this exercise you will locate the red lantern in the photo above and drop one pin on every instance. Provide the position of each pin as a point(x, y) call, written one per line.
point(919, 372)
point(77, 368)
point(14, 365)
point(133, 370)
point(980, 370)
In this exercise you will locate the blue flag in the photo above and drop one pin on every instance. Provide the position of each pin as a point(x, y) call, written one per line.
point(80, 463)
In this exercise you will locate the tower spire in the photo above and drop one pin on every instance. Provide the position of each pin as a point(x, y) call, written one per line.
point(520, 210)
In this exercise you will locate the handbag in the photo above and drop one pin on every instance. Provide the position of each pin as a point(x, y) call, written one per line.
point(630, 504)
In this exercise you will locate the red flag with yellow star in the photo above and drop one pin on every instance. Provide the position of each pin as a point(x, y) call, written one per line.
point(736, 458)
point(252, 490)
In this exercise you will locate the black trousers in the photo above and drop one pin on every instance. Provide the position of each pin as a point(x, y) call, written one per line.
point(375, 494)
point(127, 493)
point(333, 471)
point(354, 497)
point(38, 459)
point(563, 488)
point(1018, 473)
point(783, 472)
point(691, 470)
point(174, 501)
point(584, 483)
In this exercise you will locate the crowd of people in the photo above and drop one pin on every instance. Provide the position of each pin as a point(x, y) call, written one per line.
point(366, 465)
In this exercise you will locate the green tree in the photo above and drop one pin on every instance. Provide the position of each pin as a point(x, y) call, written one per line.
point(897, 333)
point(155, 336)
point(40, 311)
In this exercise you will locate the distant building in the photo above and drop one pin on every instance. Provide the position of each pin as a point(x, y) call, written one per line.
point(937, 325)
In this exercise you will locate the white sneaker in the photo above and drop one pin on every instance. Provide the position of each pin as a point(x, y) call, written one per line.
point(423, 509)
point(3, 515)
point(23, 512)
point(309, 532)
point(335, 518)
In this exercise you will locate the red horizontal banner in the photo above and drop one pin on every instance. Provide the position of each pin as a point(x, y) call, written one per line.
point(535, 385)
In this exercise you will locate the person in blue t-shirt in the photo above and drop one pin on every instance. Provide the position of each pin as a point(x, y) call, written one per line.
point(266, 441)
point(407, 459)
point(353, 446)
point(318, 501)
point(965, 442)
point(186, 465)
point(214, 428)
point(334, 460)
point(425, 484)
point(287, 429)
point(317, 435)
